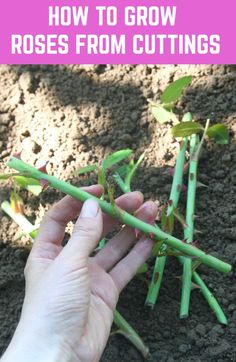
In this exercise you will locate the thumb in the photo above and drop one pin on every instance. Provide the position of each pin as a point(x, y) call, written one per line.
point(86, 234)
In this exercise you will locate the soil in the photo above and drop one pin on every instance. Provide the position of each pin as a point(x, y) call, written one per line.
point(75, 115)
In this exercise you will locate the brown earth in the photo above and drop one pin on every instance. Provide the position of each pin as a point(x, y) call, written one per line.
point(73, 116)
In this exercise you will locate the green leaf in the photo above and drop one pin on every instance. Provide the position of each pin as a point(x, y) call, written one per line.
point(115, 158)
point(34, 233)
point(219, 133)
point(167, 222)
point(180, 217)
point(86, 169)
point(29, 184)
point(123, 170)
point(6, 176)
point(162, 115)
point(157, 248)
point(143, 269)
point(111, 193)
point(168, 106)
point(187, 117)
point(185, 129)
point(175, 89)
point(17, 203)
point(133, 169)
point(102, 178)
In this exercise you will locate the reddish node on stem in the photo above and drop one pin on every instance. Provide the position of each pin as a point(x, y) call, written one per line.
point(156, 277)
point(185, 241)
point(44, 184)
point(17, 155)
point(191, 176)
point(195, 243)
point(150, 221)
point(137, 233)
point(43, 169)
point(151, 235)
point(170, 202)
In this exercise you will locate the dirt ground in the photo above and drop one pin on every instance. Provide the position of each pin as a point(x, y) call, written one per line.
point(74, 115)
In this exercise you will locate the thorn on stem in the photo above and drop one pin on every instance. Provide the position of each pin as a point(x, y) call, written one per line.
point(195, 243)
point(196, 231)
point(137, 233)
point(200, 184)
point(43, 169)
point(18, 155)
point(44, 184)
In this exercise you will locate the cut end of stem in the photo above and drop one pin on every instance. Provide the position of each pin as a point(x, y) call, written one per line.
point(150, 304)
point(184, 316)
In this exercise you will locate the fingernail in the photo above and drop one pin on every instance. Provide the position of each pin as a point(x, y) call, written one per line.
point(89, 209)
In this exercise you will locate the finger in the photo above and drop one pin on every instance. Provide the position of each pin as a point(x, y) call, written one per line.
point(86, 235)
point(118, 246)
point(129, 202)
point(52, 229)
point(127, 268)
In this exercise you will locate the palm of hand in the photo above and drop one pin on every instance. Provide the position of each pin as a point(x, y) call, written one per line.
point(79, 294)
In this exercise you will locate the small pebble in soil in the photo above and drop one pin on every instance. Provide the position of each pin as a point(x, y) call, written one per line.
point(36, 148)
point(200, 343)
point(234, 316)
point(134, 116)
point(201, 330)
point(184, 348)
point(126, 138)
point(25, 133)
point(220, 174)
point(25, 81)
point(232, 307)
point(231, 234)
point(233, 218)
point(218, 349)
point(226, 157)
point(4, 119)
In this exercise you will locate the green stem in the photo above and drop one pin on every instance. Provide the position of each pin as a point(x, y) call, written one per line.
point(214, 305)
point(130, 175)
point(126, 330)
point(122, 185)
point(155, 285)
point(159, 267)
point(19, 219)
point(121, 215)
point(189, 230)
point(120, 322)
point(197, 153)
point(210, 299)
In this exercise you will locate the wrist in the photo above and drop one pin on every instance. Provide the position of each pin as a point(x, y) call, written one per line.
point(29, 346)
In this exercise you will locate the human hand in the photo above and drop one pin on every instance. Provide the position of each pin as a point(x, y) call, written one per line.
point(70, 298)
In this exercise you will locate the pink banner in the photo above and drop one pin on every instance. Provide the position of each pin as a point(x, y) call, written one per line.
point(116, 32)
